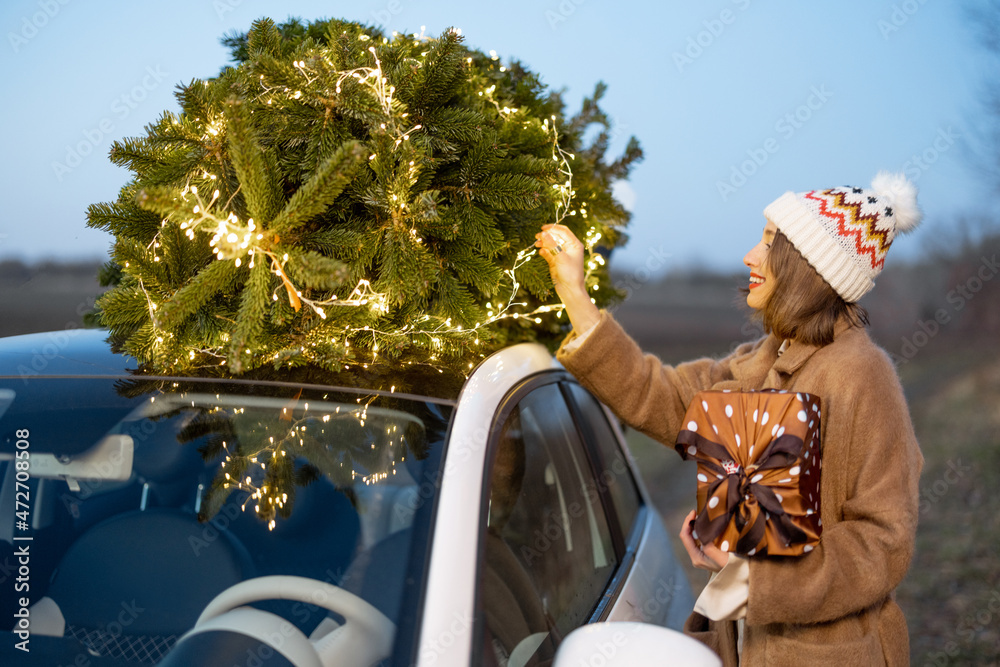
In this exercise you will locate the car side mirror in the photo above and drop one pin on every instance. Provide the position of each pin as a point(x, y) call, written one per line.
point(632, 645)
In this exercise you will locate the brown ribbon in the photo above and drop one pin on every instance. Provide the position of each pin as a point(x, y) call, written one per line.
point(753, 519)
point(743, 497)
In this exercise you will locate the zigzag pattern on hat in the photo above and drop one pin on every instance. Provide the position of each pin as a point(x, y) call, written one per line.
point(852, 223)
point(845, 233)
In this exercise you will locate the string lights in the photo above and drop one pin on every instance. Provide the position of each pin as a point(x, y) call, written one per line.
point(259, 452)
point(249, 242)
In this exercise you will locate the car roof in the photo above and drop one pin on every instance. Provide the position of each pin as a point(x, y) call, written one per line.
point(80, 353)
point(71, 352)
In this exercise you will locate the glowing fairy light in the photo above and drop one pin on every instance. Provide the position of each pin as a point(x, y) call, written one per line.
point(247, 242)
point(434, 327)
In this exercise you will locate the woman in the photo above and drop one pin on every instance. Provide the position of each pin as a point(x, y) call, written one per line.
point(818, 254)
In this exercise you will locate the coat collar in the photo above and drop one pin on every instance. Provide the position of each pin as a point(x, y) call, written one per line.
point(752, 370)
point(798, 353)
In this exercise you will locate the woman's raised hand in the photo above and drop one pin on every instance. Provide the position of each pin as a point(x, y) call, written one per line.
point(564, 254)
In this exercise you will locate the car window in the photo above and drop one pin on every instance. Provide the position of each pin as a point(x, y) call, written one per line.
point(547, 553)
point(164, 494)
point(615, 474)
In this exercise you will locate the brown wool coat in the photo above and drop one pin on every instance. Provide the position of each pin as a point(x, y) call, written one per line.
point(834, 605)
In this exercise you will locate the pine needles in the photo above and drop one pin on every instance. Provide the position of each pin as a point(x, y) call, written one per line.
point(340, 197)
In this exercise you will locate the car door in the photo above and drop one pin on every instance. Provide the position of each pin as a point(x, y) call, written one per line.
point(551, 537)
point(650, 585)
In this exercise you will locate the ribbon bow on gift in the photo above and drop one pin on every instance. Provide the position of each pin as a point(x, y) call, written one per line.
point(758, 470)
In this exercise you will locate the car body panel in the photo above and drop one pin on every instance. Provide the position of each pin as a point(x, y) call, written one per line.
point(655, 590)
point(73, 352)
point(654, 557)
point(446, 633)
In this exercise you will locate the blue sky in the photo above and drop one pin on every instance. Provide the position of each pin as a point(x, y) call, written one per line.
point(734, 102)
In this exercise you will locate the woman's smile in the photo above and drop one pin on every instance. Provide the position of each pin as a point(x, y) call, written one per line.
point(760, 284)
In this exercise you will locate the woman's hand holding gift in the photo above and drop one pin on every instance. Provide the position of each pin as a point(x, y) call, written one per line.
point(703, 556)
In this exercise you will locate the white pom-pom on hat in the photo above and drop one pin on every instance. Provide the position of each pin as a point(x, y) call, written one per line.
point(901, 195)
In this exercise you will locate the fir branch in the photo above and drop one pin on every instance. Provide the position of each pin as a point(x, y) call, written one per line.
point(263, 39)
point(428, 230)
point(321, 189)
point(124, 308)
point(454, 124)
point(454, 301)
point(509, 191)
point(441, 71)
point(313, 270)
point(477, 226)
point(408, 269)
point(249, 328)
point(135, 154)
point(335, 242)
point(259, 183)
point(476, 270)
point(164, 201)
point(188, 299)
point(123, 218)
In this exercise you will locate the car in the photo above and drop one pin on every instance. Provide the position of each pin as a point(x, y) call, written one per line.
point(362, 518)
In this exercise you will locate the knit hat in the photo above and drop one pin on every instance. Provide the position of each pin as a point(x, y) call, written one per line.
point(845, 233)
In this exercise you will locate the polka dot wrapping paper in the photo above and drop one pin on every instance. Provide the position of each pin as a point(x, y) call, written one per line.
point(759, 463)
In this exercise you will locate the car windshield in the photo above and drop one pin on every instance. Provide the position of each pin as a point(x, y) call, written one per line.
point(140, 501)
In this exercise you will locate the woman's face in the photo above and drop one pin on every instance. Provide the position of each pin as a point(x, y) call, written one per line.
point(761, 280)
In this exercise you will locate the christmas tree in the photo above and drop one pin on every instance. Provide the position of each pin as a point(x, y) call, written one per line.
point(341, 198)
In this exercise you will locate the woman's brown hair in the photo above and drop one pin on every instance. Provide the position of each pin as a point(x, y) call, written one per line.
point(802, 306)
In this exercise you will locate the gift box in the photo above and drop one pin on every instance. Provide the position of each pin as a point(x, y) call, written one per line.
point(759, 463)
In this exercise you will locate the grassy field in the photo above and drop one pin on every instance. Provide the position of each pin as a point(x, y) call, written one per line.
point(951, 596)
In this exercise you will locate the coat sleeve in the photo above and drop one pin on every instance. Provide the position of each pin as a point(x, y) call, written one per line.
point(864, 553)
point(646, 394)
